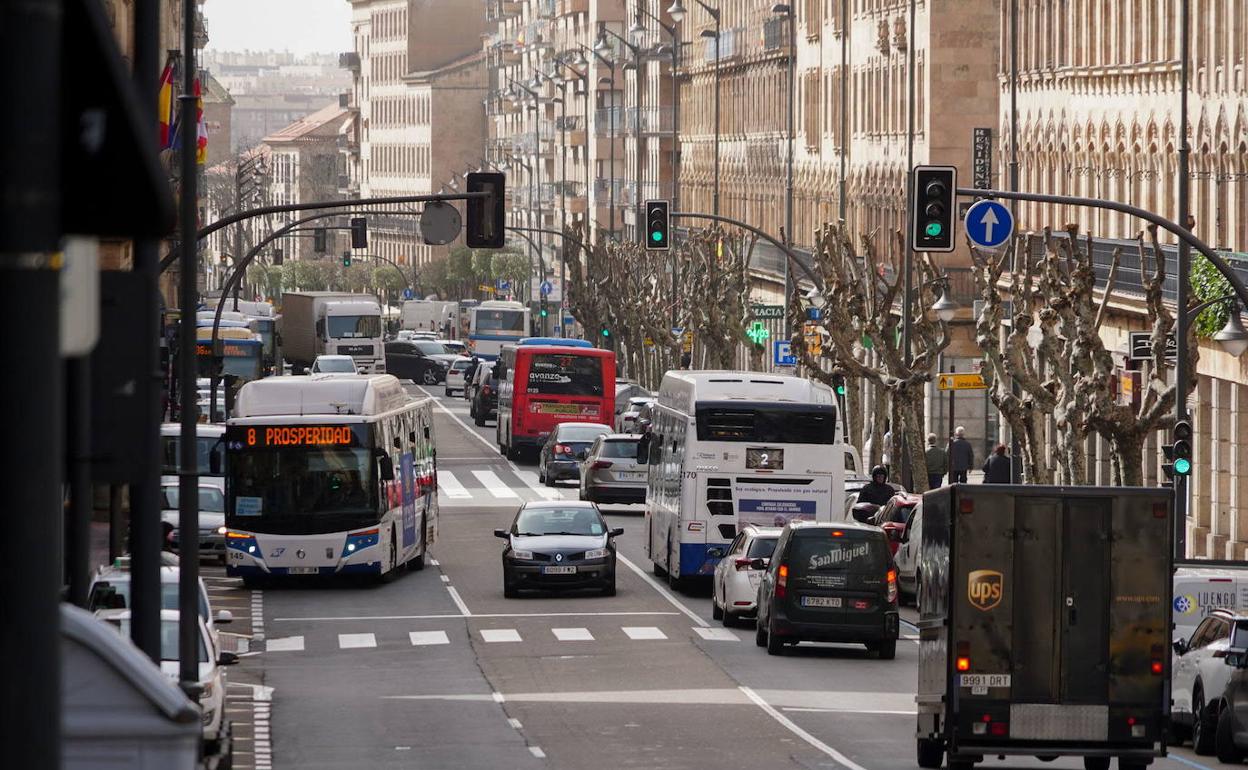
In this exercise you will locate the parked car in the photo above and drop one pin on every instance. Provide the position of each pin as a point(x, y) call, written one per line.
point(610, 472)
point(560, 457)
point(734, 586)
point(625, 391)
point(217, 731)
point(829, 583)
point(909, 574)
point(627, 421)
point(1199, 675)
point(334, 365)
point(423, 361)
point(555, 544)
point(110, 590)
point(455, 375)
point(209, 449)
point(893, 515)
point(211, 519)
point(483, 404)
point(454, 346)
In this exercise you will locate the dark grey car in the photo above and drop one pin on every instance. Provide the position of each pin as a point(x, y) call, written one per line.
point(566, 446)
point(553, 545)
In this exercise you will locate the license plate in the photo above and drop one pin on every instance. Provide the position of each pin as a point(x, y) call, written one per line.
point(558, 570)
point(984, 680)
point(303, 570)
point(631, 475)
point(821, 601)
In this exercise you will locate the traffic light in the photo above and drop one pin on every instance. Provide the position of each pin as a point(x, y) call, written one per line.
point(346, 259)
point(658, 225)
point(359, 233)
point(838, 381)
point(606, 333)
point(485, 225)
point(543, 309)
point(1167, 467)
point(932, 209)
point(1183, 448)
point(318, 240)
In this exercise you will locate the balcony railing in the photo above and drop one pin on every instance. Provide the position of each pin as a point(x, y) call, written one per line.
point(570, 123)
point(602, 191)
point(569, 189)
point(775, 34)
point(603, 121)
point(730, 41)
point(545, 9)
point(656, 120)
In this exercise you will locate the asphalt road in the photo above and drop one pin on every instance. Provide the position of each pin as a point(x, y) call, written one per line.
point(438, 670)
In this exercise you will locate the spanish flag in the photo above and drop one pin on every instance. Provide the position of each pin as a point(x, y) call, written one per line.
point(164, 105)
point(201, 128)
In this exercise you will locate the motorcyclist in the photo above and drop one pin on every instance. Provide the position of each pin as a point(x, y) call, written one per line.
point(879, 491)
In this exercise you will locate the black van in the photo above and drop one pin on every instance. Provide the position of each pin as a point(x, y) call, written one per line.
point(829, 583)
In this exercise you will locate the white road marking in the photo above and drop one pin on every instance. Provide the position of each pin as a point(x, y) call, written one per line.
point(500, 635)
point(426, 638)
point(494, 485)
point(353, 641)
point(643, 632)
point(792, 727)
point(488, 615)
point(463, 608)
point(695, 617)
point(514, 723)
point(537, 752)
point(797, 709)
point(287, 644)
point(434, 562)
point(445, 579)
point(716, 634)
point(573, 634)
point(497, 696)
point(450, 485)
point(531, 481)
point(721, 696)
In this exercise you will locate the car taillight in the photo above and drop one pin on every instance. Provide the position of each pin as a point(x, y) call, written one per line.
point(782, 580)
point(600, 464)
point(892, 586)
point(742, 564)
point(485, 390)
point(963, 662)
point(563, 449)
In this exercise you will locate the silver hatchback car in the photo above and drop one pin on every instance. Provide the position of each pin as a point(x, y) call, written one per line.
point(610, 472)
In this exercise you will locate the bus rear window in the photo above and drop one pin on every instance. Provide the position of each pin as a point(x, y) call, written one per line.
point(557, 374)
point(500, 321)
point(805, 425)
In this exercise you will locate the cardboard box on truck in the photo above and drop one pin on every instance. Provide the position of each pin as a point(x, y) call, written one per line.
point(1044, 624)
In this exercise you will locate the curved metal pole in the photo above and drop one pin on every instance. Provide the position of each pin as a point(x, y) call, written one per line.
point(736, 223)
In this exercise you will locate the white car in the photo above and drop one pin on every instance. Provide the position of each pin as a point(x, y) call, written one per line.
point(628, 420)
point(455, 375)
point(211, 518)
point(209, 442)
point(334, 365)
point(734, 587)
point(1199, 674)
point(454, 346)
point(110, 590)
point(217, 731)
point(908, 552)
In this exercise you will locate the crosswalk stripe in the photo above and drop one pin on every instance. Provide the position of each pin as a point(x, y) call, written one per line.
point(548, 493)
point(495, 485)
point(716, 634)
point(500, 635)
point(426, 638)
point(573, 634)
point(287, 644)
point(644, 632)
point(354, 641)
point(450, 485)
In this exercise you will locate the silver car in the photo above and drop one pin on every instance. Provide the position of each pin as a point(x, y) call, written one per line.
point(610, 472)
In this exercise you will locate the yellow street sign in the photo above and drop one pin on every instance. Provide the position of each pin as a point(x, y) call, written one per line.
point(961, 382)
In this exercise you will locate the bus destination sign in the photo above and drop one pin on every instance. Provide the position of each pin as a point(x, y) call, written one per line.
point(260, 436)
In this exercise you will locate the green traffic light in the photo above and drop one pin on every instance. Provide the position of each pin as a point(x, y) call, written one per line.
point(544, 312)
point(934, 229)
point(1182, 466)
point(606, 332)
point(656, 236)
point(840, 390)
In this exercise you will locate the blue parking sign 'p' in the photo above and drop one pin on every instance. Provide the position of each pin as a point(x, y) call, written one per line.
point(782, 353)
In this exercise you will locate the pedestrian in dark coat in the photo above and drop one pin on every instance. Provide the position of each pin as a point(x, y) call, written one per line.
point(961, 456)
point(997, 466)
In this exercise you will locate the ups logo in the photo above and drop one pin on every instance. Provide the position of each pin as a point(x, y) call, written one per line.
point(984, 588)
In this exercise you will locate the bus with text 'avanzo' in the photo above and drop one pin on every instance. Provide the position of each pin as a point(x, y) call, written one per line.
point(543, 381)
point(329, 474)
point(727, 449)
point(494, 323)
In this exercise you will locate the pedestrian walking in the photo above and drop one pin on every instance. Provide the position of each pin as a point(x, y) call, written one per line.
point(997, 466)
point(937, 462)
point(961, 456)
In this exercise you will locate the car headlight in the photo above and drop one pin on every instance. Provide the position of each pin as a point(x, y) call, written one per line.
point(221, 530)
point(597, 553)
point(208, 715)
point(206, 693)
point(523, 555)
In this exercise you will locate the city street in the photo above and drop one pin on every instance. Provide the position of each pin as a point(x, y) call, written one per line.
point(437, 669)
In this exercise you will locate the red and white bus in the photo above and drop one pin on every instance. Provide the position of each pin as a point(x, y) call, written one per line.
point(543, 381)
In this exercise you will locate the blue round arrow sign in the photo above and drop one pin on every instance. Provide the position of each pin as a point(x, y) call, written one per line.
point(989, 224)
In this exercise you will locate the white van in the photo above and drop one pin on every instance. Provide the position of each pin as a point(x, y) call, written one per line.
point(1200, 590)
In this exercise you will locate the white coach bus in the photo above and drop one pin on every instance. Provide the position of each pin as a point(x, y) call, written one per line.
point(329, 474)
point(728, 449)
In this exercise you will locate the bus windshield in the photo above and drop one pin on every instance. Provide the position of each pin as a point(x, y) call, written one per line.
point(302, 489)
point(558, 374)
point(500, 321)
point(767, 423)
point(354, 326)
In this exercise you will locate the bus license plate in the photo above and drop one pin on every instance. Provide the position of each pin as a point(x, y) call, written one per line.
point(821, 601)
point(559, 570)
point(303, 571)
point(976, 681)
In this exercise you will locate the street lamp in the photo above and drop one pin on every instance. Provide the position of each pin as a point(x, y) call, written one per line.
point(786, 10)
point(1233, 338)
point(944, 308)
point(573, 72)
point(677, 12)
point(674, 52)
point(610, 81)
point(636, 67)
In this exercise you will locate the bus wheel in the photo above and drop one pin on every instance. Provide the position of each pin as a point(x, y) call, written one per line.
point(392, 574)
point(418, 563)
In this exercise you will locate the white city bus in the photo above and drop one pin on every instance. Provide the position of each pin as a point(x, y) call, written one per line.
point(329, 474)
point(728, 449)
point(495, 323)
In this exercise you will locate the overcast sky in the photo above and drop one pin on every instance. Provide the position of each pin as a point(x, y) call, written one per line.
point(301, 26)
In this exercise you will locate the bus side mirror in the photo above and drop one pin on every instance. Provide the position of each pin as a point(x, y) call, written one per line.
point(214, 458)
point(386, 467)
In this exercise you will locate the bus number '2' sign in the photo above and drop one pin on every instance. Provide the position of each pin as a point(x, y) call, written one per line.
point(984, 588)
